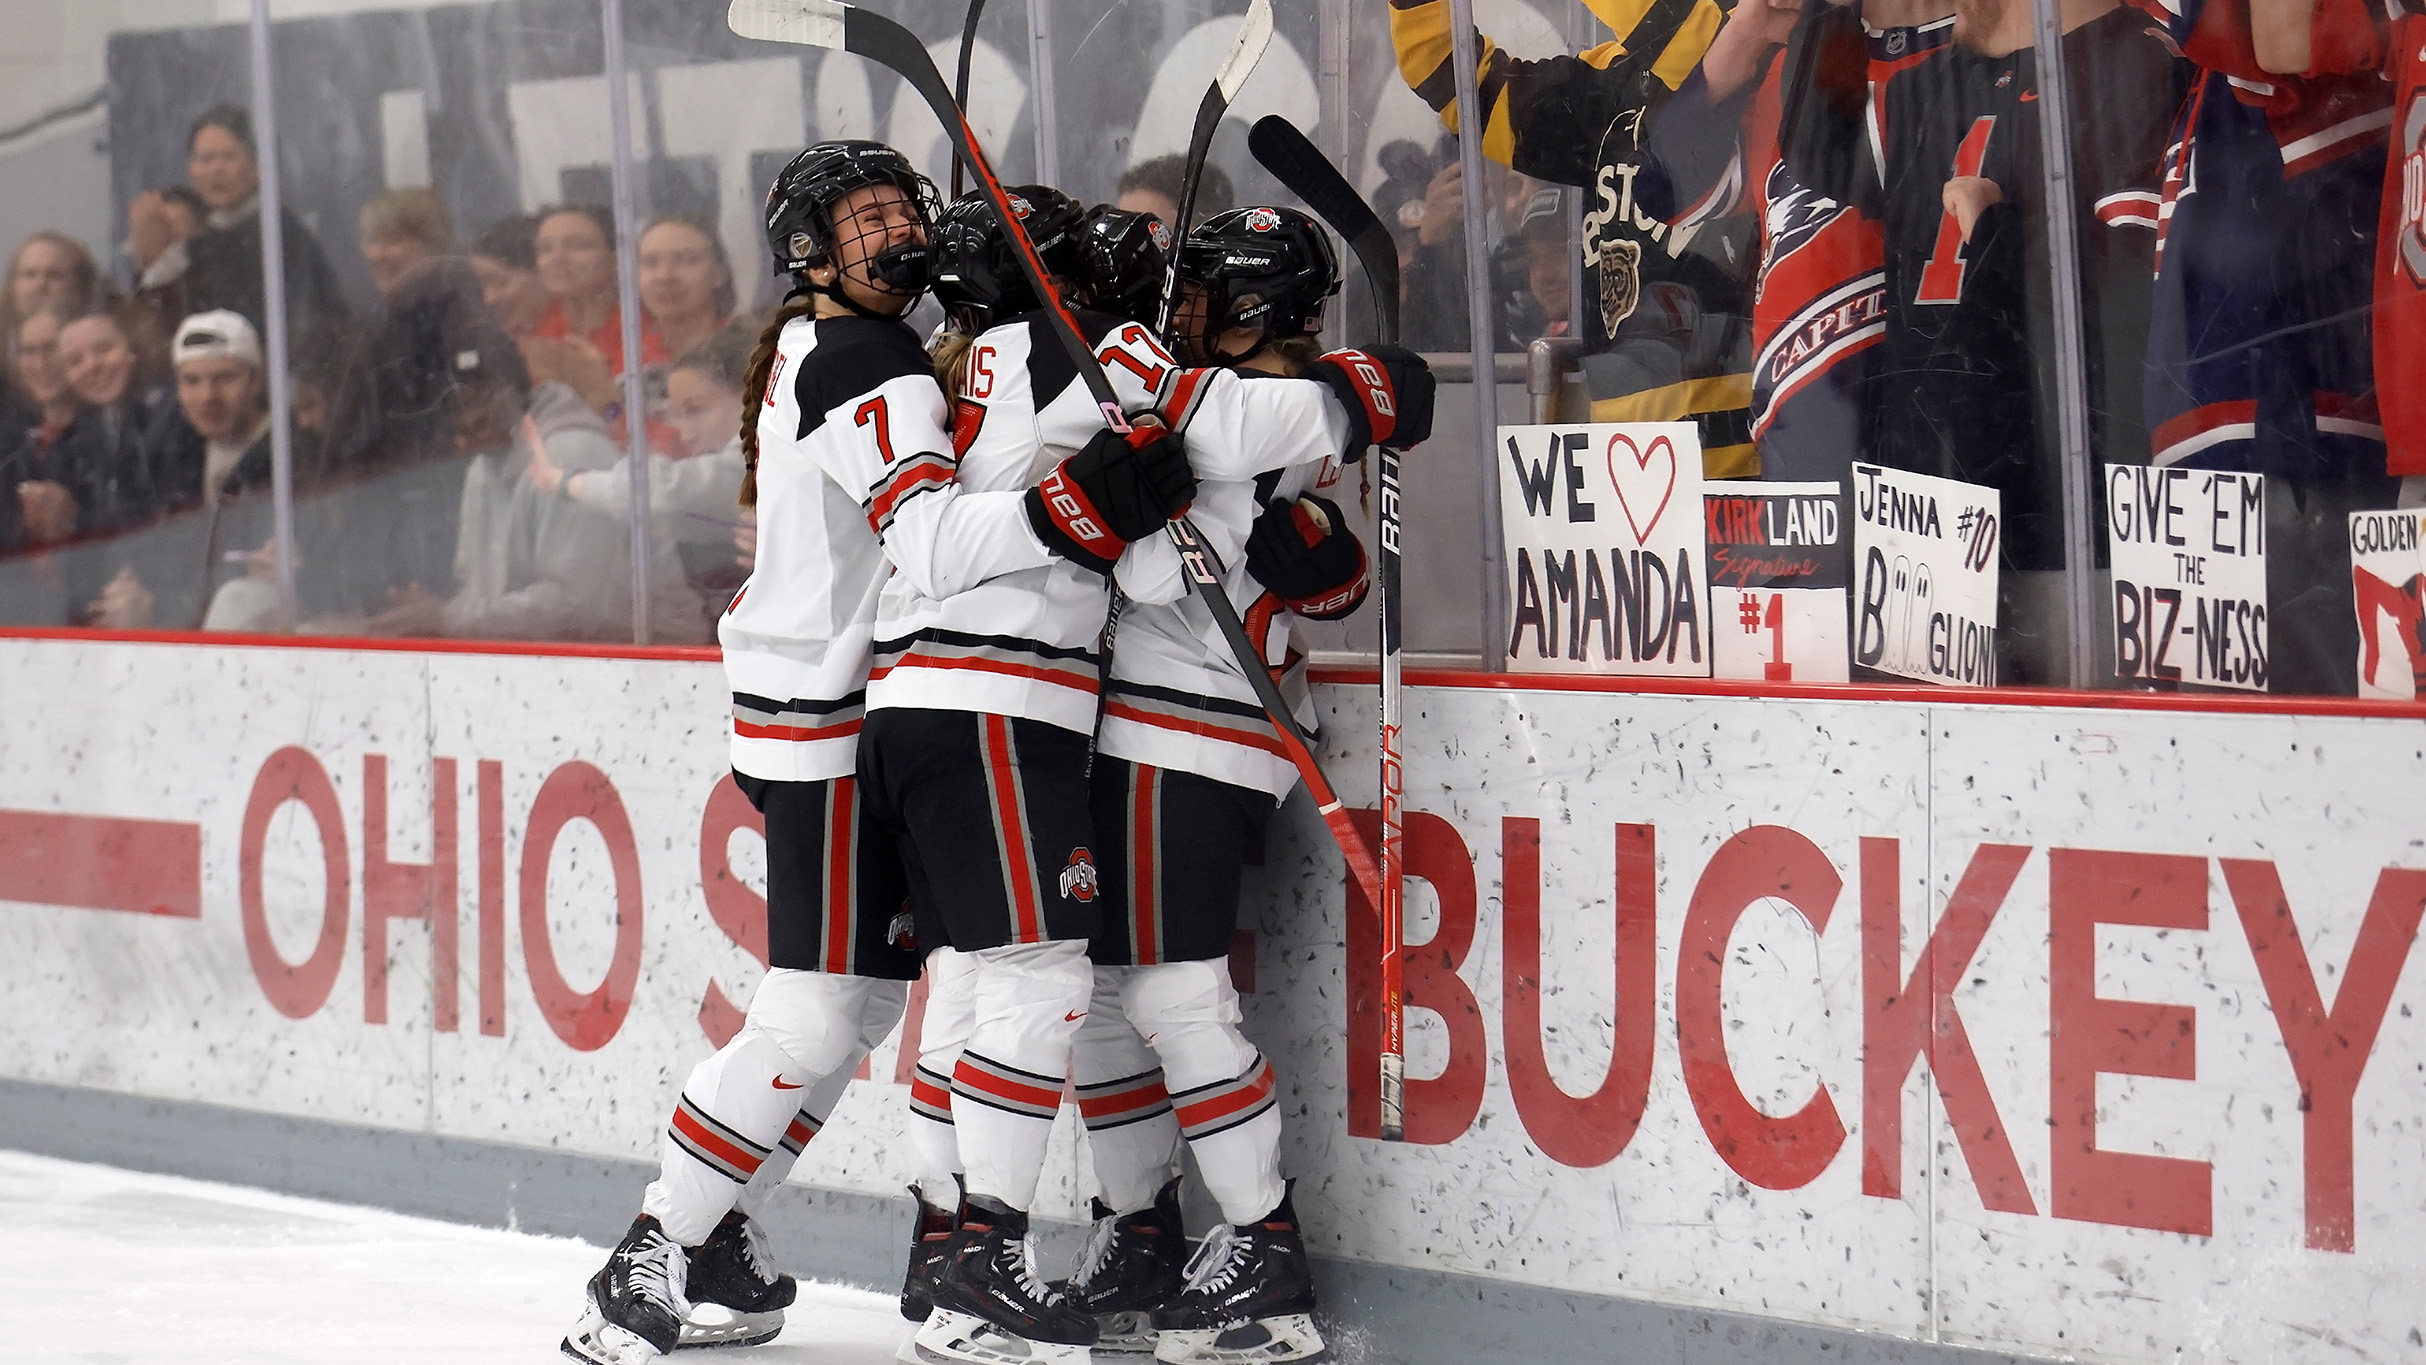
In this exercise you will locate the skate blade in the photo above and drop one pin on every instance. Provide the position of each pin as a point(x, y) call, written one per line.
point(595, 1341)
point(1124, 1334)
point(713, 1324)
point(951, 1338)
point(1265, 1341)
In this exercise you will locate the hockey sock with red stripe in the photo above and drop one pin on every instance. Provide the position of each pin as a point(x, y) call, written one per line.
point(1221, 1087)
point(737, 1108)
point(1132, 1139)
point(1007, 1085)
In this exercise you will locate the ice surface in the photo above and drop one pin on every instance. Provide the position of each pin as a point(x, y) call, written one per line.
point(107, 1267)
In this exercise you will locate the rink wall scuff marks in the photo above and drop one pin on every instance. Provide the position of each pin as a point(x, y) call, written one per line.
point(2055, 1031)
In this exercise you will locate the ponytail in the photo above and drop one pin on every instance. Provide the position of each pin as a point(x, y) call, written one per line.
point(754, 387)
point(951, 352)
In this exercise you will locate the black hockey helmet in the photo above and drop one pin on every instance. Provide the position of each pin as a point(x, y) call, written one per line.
point(977, 275)
point(1125, 254)
point(800, 226)
point(1261, 267)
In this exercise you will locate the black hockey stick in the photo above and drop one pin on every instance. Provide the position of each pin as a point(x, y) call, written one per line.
point(863, 33)
point(960, 78)
point(1297, 163)
point(1254, 35)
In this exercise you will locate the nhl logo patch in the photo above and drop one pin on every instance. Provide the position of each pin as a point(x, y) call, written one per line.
point(1262, 220)
point(1078, 878)
point(1897, 42)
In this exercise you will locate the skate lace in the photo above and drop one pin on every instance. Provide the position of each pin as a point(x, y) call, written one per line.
point(755, 1251)
point(1100, 1241)
point(1032, 1284)
point(1217, 1261)
point(658, 1269)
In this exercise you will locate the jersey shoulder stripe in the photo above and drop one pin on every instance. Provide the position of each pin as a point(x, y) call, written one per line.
point(854, 357)
point(1050, 369)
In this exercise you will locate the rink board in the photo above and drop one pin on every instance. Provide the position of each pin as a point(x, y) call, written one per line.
point(2122, 1161)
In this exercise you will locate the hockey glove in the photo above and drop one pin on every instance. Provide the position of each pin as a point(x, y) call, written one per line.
point(1387, 391)
point(1304, 552)
point(1115, 490)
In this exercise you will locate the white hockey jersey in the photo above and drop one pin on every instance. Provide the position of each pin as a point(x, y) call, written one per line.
point(1178, 698)
point(1027, 643)
point(854, 470)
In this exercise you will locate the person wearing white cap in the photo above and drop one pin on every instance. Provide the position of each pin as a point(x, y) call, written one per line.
point(221, 387)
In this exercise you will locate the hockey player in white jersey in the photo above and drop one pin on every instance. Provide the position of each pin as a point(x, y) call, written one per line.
point(980, 709)
point(1186, 774)
point(850, 470)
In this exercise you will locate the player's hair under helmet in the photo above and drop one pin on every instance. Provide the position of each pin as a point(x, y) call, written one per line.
point(799, 216)
point(977, 274)
point(1125, 256)
point(1262, 267)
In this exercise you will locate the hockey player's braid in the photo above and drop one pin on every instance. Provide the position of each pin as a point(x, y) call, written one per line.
point(754, 387)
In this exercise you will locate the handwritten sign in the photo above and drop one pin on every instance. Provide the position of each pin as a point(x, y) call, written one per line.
point(2189, 553)
point(1926, 547)
point(2388, 581)
point(1781, 576)
point(1601, 536)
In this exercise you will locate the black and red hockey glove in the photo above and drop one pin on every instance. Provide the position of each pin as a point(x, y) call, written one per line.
point(1387, 391)
point(1114, 490)
point(1304, 552)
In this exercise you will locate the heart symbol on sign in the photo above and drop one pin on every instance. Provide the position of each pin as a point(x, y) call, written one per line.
point(1637, 473)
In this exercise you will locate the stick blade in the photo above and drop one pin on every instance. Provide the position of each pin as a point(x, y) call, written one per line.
point(803, 23)
point(1254, 35)
point(1296, 162)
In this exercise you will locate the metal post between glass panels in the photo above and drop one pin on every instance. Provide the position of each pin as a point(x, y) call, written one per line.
point(2071, 369)
point(273, 306)
point(627, 301)
point(1040, 77)
point(1480, 334)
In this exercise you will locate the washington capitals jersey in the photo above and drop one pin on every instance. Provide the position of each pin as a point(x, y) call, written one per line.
point(1820, 303)
point(853, 466)
point(2259, 355)
point(1964, 385)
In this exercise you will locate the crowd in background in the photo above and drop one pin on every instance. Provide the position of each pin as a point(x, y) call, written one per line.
point(458, 445)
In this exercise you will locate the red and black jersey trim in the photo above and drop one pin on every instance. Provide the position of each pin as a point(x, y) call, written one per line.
point(1009, 655)
point(1182, 392)
point(800, 720)
point(997, 1086)
point(853, 358)
point(1223, 1105)
point(916, 474)
point(1119, 1103)
point(1233, 722)
point(716, 1146)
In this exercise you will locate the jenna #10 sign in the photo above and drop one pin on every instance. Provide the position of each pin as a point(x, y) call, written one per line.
point(1601, 536)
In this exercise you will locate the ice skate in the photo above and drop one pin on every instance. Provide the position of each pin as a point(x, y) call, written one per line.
point(737, 1296)
point(636, 1300)
point(1134, 1263)
point(1248, 1301)
point(991, 1305)
point(930, 1230)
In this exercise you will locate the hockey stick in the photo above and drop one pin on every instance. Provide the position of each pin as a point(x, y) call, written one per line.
point(1297, 163)
point(863, 33)
point(960, 78)
point(1254, 35)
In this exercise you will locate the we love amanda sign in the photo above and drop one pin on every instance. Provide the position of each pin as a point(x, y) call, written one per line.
point(1601, 537)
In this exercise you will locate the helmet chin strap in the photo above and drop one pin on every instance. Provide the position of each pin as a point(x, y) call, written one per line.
point(901, 267)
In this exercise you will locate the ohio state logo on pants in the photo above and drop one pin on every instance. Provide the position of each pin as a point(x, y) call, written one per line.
point(1078, 879)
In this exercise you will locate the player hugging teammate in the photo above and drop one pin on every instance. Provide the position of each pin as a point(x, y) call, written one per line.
point(916, 665)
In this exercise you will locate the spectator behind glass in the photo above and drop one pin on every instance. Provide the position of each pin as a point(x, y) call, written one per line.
point(1154, 186)
point(53, 271)
point(400, 229)
point(49, 500)
point(528, 564)
point(694, 496)
point(112, 445)
point(158, 219)
point(219, 267)
point(576, 254)
point(506, 258)
point(218, 455)
point(686, 283)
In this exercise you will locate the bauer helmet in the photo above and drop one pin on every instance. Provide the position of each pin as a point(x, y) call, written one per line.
point(799, 221)
point(1126, 253)
point(977, 274)
point(1262, 267)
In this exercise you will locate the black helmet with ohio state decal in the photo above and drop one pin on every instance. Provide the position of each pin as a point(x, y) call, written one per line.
point(977, 274)
point(1125, 254)
point(1266, 268)
point(799, 215)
